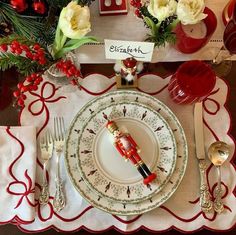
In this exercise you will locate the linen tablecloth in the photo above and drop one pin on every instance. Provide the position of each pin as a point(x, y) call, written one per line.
point(17, 174)
point(182, 210)
point(130, 28)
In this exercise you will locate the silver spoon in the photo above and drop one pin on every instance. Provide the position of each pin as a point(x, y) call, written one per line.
point(218, 152)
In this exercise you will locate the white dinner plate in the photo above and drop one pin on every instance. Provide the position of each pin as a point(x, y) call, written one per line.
point(104, 169)
point(103, 202)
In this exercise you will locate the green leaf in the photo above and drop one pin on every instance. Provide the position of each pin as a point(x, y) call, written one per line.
point(26, 26)
point(75, 41)
point(71, 45)
point(151, 25)
point(58, 36)
point(173, 25)
point(23, 65)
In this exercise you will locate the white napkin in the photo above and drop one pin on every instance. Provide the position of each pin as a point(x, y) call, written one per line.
point(17, 174)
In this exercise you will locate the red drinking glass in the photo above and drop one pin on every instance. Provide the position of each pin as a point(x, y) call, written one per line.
point(187, 44)
point(229, 36)
point(228, 11)
point(192, 82)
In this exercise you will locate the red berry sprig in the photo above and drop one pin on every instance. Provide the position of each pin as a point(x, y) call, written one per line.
point(137, 4)
point(34, 52)
point(30, 84)
point(70, 70)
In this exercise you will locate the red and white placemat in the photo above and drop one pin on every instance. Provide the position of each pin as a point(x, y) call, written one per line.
point(182, 210)
point(17, 174)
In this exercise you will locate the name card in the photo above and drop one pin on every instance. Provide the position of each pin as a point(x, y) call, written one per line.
point(120, 50)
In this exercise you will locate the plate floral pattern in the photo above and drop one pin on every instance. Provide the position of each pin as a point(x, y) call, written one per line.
point(108, 177)
point(104, 203)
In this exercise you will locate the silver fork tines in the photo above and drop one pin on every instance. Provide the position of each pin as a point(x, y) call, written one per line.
point(46, 147)
point(59, 138)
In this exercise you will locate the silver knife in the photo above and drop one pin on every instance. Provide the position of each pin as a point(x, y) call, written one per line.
point(205, 198)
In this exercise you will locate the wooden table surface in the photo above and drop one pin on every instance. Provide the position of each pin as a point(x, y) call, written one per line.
point(9, 116)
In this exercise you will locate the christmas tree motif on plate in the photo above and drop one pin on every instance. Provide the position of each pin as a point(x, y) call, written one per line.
point(98, 123)
point(88, 162)
point(87, 142)
point(100, 104)
point(134, 113)
point(110, 203)
point(99, 180)
point(137, 190)
point(152, 121)
point(81, 119)
point(117, 190)
point(73, 142)
point(124, 97)
point(74, 168)
point(115, 113)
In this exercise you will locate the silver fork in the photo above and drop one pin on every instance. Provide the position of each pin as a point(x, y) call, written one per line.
point(46, 147)
point(59, 139)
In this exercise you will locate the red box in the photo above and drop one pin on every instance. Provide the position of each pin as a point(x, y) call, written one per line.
point(111, 7)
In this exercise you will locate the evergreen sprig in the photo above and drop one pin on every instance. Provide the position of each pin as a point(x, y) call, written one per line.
point(160, 39)
point(23, 65)
point(160, 32)
point(23, 40)
point(14, 37)
point(27, 26)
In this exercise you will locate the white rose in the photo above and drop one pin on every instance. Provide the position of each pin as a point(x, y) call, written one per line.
point(190, 11)
point(74, 21)
point(161, 9)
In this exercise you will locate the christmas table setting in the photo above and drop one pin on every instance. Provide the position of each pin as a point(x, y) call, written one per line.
point(118, 149)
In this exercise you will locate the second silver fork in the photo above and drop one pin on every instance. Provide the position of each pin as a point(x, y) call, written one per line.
point(59, 139)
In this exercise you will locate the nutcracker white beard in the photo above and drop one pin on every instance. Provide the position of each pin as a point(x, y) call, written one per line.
point(125, 142)
point(129, 77)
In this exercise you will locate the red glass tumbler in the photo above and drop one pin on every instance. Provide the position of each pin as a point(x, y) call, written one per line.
point(187, 44)
point(192, 82)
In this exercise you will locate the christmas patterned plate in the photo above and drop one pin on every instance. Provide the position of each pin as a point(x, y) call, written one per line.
point(104, 203)
point(104, 169)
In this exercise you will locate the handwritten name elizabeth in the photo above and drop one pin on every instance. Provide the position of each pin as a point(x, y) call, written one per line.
point(135, 52)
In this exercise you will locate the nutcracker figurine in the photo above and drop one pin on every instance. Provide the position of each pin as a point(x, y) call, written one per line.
point(126, 72)
point(127, 147)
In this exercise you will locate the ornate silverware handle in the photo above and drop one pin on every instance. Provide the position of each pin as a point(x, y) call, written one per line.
point(218, 204)
point(205, 198)
point(59, 198)
point(44, 193)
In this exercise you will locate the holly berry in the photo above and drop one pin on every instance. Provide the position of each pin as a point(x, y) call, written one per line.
point(21, 102)
point(136, 3)
point(39, 6)
point(35, 52)
point(19, 5)
point(30, 84)
point(3, 47)
point(70, 70)
point(138, 13)
point(16, 93)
